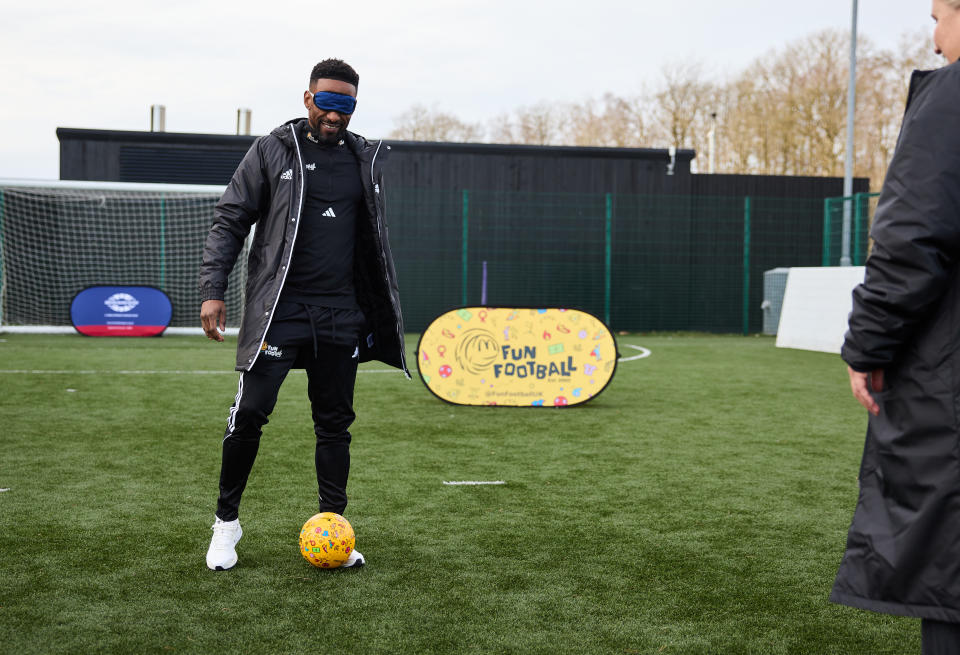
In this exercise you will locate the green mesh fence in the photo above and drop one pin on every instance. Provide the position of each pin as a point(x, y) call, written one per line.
point(860, 207)
point(640, 262)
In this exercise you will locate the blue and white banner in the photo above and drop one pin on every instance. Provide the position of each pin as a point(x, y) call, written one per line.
point(105, 311)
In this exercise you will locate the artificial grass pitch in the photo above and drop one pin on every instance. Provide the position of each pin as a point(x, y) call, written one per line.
point(699, 505)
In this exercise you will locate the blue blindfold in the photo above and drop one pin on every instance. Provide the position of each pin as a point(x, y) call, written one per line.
point(330, 101)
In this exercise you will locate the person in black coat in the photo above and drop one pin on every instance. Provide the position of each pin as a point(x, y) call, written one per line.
point(903, 356)
point(321, 290)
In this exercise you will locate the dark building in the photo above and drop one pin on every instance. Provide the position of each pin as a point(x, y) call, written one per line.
point(629, 234)
point(179, 158)
point(164, 157)
point(184, 158)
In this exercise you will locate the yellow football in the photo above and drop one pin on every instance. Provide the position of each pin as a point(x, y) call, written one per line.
point(326, 540)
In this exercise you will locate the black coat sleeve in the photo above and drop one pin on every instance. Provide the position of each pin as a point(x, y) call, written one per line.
point(916, 230)
point(238, 209)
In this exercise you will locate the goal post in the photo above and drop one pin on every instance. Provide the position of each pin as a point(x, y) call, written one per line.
point(59, 237)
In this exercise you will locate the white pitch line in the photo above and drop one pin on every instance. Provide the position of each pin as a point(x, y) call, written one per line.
point(473, 483)
point(644, 352)
point(2, 490)
point(95, 372)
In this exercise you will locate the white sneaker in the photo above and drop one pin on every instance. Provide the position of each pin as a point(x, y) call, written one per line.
point(355, 560)
point(222, 555)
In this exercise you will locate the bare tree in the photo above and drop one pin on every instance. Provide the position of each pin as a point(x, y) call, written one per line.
point(682, 102)
point(784, 114)
point(537, 124)
point(613, 121)
point(421, 124)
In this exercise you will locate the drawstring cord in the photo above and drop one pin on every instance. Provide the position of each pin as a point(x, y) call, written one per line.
point(313, 325)
point(313, 328)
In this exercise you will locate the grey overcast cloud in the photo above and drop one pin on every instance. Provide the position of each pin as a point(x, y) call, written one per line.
point(101, 64)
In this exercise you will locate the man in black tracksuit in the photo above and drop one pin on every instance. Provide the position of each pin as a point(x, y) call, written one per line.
point(321, 289)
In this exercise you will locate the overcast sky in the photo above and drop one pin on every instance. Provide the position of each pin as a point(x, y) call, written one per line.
point(101, 64)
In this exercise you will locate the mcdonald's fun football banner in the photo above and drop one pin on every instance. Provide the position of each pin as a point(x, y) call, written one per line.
point(517, 357)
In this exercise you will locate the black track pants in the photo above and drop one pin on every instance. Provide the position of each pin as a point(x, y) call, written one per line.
point(324, 342)
point(939, 638)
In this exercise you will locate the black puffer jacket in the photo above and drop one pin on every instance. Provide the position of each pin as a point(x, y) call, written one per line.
point(267, 191)
point(903, 547)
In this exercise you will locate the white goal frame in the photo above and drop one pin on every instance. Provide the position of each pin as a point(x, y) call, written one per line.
point(104, 186)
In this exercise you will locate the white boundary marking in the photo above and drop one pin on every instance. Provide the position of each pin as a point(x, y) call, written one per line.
point(644, 352)
point(37, 329)
point(472, 483)
point(2, 490)
point(113, 186)
point(95, 372)
point(63, 329)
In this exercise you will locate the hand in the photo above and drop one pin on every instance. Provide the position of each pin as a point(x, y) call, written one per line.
point(213, 318)
point(862, 383)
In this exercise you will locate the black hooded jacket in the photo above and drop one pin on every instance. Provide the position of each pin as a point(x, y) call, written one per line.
point(903, 547)
point(266, 191)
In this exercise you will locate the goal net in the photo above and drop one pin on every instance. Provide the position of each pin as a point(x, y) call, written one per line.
point(57, 238)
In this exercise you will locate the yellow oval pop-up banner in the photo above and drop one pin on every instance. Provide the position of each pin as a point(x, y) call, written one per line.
point(517, 357)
